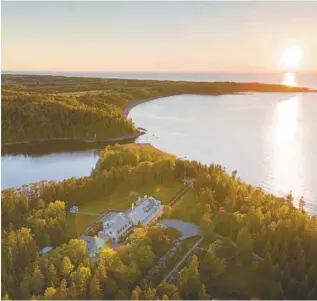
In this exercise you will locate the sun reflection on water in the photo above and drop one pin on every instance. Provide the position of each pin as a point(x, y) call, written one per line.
point(286, 147)
point(289, 79)
point(286, 121)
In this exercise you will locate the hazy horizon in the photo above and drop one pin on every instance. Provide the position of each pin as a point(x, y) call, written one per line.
point(156, 37)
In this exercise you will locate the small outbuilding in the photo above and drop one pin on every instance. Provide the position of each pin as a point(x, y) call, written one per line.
point(73, 209)
point(46, 250)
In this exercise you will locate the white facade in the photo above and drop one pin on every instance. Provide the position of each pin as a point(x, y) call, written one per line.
point(116, 227)
point(118, 224)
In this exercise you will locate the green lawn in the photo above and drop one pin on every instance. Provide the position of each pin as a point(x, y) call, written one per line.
point(119, 200)
point(79, 222)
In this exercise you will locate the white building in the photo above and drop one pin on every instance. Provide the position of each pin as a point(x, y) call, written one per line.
point(117, 225)
point(146, 210)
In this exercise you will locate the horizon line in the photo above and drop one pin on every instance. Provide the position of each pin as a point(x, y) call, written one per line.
point(163, 72)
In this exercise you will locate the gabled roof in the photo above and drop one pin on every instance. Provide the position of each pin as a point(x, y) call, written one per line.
point(119, 221)
point(145, 211)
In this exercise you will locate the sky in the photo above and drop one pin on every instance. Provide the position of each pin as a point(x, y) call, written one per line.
point(156, 36)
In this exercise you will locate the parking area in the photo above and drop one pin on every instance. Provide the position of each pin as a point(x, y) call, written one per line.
point(187, 229)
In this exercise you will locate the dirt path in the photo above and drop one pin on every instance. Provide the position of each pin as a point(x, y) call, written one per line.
point(183, 259)
point(88, 213)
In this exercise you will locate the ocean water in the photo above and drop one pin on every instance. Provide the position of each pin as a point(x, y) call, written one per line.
point(308, 79)
point(269, 138)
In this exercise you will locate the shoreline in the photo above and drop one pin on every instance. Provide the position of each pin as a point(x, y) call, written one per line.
point(81, 140)
point(126, 110)
point(130, 106)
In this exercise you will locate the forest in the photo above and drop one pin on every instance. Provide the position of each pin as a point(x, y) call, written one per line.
point(45, 107)
point(275, 243)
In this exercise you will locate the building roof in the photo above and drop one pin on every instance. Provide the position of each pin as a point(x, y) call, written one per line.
point(117, 222)
point(46, 250)
point(108, 216)
point(147, 209)
point(93, 242)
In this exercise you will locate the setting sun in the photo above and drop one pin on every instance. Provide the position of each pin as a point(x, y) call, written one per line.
point(291, 56)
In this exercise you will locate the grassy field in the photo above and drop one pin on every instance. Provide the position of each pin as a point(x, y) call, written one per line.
point(118, 200)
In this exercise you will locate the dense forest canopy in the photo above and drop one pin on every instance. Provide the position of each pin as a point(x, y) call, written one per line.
point(42, 107)
point(284, 238)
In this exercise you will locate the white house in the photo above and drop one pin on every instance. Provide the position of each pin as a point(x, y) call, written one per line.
point(146, 210)
point(73, 209)
point(117, 225)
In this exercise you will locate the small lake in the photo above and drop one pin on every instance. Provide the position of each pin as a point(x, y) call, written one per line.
point(269, 138)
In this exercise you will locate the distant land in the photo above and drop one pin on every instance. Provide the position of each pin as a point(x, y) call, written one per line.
point(37, 107)
point(304, 79)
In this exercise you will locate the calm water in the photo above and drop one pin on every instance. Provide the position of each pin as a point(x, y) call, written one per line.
point(19, 170)
point(271, 139)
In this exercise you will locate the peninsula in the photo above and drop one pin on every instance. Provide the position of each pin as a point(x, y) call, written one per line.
point(40, 108)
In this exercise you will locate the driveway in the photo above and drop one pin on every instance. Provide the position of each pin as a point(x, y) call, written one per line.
point(187, 229)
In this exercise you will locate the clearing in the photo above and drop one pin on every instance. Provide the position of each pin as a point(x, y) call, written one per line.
point(118, 201)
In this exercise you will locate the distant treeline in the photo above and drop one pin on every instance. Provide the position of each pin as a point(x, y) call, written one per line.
point(38, 107)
